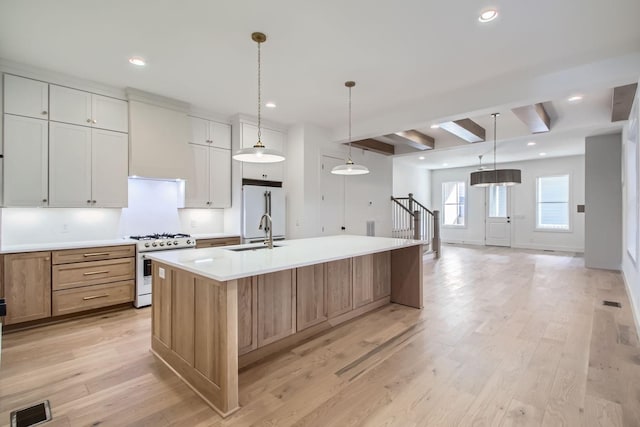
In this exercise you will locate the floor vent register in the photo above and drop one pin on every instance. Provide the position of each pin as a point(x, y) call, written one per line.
point(34, 415)
point(612, 303)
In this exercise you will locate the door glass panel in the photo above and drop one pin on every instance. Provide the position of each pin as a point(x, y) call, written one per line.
point(497, 201)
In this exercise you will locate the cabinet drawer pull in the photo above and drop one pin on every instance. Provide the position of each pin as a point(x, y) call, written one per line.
point(97, 254)
point(91, 273)
point(95, 296)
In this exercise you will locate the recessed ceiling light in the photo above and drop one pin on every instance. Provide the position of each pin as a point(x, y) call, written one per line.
point(445, 164)
point(436, 126)
point(270, 105)
point(421, 158)
point(543, 154)
point(575, 98)
point(531, 143)
point(488, 15)
point(136, 60)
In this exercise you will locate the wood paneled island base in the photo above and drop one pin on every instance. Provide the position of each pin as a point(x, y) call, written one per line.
point(204, 329)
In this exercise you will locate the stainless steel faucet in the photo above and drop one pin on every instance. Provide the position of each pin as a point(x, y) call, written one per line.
point(268, 227)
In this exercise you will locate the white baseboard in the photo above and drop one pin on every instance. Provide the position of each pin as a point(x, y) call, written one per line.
point(464, 242)
point(634, 309)
point(540, 247)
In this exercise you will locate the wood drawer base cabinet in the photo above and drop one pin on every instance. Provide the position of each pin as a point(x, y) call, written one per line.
point(204, 330)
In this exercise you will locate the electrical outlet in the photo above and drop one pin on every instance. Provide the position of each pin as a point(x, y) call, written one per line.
point(65, 228)
point(194, 223)
point(161, 272)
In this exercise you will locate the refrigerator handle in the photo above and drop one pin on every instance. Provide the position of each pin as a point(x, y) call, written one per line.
point(269, 202)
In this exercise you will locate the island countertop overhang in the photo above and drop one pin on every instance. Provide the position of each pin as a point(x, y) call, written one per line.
point(224, 264)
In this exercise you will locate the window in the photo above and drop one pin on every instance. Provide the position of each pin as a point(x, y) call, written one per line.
point(552, 211)
point(497, 201)
point(453, 199)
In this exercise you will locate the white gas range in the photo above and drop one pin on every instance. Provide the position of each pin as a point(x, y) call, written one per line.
point(150, 243)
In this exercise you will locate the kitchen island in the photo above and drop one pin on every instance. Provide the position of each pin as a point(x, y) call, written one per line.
point(217, 309)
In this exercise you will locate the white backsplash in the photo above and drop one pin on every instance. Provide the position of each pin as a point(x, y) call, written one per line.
point(153, 208)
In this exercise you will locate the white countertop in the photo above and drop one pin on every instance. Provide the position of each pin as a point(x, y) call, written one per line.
point(53, 246)
point(222, 264)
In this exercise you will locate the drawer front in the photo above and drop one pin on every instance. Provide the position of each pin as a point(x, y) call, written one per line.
point(93, 254)
point(79, 274)
point(210, 243)
point(90, 297)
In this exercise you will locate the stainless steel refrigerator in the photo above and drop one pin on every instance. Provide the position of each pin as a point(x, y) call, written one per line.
point(256, 201)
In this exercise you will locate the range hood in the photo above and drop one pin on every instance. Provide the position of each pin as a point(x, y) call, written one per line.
point(158, 136)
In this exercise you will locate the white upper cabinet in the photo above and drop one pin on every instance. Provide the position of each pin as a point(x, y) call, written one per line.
point(26, 97)
point(88, 109)
point(109, 113)
point(271, 139)
point(69, 165)
point(206, 132)
point(88, 167)
point(109, 169)
point(26, 161)
point(220, 177)
point(209, 182)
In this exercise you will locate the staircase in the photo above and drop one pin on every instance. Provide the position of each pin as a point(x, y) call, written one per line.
point(410, 219)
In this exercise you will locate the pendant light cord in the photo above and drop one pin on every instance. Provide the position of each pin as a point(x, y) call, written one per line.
point(259, 97)
point(349, 122)
point(495, 120)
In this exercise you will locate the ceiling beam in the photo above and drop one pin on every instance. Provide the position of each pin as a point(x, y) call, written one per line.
point(413, 138)
point(621, 102)
point(465, 129)
point(535, 117)
point(375, 146)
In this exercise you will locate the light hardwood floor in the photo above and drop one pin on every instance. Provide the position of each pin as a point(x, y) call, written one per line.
point(506, 337)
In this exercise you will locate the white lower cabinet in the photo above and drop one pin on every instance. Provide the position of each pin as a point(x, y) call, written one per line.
point(87, 167)
point(209, 181)
point(26, 161)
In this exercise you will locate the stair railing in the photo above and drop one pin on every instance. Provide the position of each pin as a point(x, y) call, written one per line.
point(412, 220)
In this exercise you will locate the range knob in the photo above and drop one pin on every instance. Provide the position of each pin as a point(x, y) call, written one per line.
point(161, 243)
point(175, 242)
point(146, 245)
point(188, 242)
point(154, 244)
point(168, 243)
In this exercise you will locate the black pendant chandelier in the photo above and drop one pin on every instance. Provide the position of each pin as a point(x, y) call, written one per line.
point(486, 178)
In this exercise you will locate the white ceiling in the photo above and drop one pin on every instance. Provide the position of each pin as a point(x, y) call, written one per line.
point(410, 59)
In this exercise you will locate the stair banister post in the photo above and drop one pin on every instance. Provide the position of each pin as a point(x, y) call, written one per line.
point(436, 233)
point(417, 215)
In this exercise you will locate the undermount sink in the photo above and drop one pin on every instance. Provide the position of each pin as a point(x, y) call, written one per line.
point(252, 248)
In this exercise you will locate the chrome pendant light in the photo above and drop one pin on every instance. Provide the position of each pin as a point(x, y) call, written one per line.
point(486, 178)
point(259, 153)
point(350, 168)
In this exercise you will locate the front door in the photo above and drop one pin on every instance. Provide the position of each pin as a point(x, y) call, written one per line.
point(498, 216)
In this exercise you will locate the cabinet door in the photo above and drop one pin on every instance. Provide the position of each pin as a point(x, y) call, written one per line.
point(247, 315)
point(381, 275)
point(27, 286)
point(69, 165)
point(26, 161)
point(311, 296)
point(220, 177)
point(199, 131)
point(70, 106)
point(220, 135)
point(362, 280)
point(109, 168)
point(274, 140)
point(276, 306)
point(26, 97)
point(197, 183)
point(339, 290)
point(109, 113)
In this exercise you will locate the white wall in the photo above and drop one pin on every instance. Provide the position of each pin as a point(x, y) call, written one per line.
point(630, 269)
point(367, 196)
point(523, 199)
point(153, 208)
point(408, 178)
